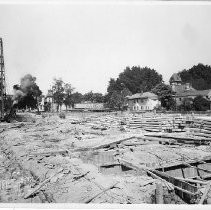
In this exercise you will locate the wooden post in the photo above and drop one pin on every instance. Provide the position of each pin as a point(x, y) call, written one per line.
point(159, 193)
point(204, 196)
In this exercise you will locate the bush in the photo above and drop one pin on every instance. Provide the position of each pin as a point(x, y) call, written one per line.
point(62, 115)
point(187, 105)
point(201, 104)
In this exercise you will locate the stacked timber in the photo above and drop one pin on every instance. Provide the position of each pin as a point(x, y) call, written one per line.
point(106, 122)
point(172, 138)
point(158, 123)
point(202, 128)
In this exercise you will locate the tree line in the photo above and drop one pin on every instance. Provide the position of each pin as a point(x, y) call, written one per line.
point(131, 80)
point(64, 93)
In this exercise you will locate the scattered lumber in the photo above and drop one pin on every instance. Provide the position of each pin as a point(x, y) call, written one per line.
point(81, 176)
point(97, 194)
point(186, 190)
point(108, 143)
point(49, 153)
point(38, 188)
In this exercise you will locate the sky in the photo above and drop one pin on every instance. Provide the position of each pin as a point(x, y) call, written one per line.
point(86, 44)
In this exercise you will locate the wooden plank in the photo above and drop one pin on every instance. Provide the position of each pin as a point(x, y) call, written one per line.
point(193, 180)
point(49, 153)
point(207, 189)
point(205, 170)
point(103, 191)
point(37, 189)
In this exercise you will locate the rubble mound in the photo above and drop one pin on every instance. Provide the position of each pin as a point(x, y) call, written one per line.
point(26, 117)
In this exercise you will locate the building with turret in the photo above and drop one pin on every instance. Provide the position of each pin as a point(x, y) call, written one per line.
point(185, 90)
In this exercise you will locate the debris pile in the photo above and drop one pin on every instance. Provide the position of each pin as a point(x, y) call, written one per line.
point(76, 160)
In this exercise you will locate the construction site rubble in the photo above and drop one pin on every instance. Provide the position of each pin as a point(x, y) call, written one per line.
point(105, 158)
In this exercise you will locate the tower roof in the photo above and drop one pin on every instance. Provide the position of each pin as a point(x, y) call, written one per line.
point(175, 78)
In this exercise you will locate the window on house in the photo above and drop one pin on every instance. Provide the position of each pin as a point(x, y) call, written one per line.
point(180, 99)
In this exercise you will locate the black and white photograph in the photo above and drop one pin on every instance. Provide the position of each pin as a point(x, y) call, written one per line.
point(105, 102)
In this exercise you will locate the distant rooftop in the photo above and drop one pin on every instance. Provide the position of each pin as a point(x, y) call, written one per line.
point(143, 95)
point(175, 78)
point(193, 93)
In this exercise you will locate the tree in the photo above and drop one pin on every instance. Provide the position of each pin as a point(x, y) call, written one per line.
point(115, 101)
point(118, 100)
point(114, 85)
point(199, 76)
point(165, 95)
point(187, 104)
point(201, 104)
point(138, 79)
point(88, 96)
point(58, 92)
point(93, 97)
point(98, 98)
point(76, 98)
point(68, 90)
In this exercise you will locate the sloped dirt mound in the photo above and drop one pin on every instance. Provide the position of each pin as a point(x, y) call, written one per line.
point(26, 117)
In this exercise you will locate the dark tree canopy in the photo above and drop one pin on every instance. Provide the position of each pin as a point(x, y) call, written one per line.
point(77, 98)
point(98, 98)
point(136, 79)
point(165, 95)
point(117, 99)
point(187, 105)
point(201, 104)
point(93, 97)
point(68, 90)
point(198, 76)
point(58, 92)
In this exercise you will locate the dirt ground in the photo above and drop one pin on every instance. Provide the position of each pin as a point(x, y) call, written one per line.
point(45, 158)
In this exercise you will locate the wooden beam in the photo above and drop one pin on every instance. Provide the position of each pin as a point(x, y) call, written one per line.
point(97, 194)
point(207, 189)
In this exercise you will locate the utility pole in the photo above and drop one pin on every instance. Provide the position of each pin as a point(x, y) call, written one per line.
point(2, 79)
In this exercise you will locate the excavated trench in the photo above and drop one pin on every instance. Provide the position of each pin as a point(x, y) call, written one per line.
point(108, 164)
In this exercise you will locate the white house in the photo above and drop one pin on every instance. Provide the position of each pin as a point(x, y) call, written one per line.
point(143, 101)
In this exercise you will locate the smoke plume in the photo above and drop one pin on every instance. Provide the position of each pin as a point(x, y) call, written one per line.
point(26, 86)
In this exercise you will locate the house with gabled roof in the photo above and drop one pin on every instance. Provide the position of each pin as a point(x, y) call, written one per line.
point(146, 101)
